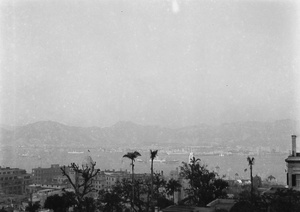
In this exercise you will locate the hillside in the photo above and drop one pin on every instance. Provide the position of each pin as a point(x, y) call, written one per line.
point(127, 133)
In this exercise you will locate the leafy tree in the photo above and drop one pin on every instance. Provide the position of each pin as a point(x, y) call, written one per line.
point(33, 207)
point(110, 201)
point(251, 163)
point(121, 194)
point(90, 204)
point(159, 191)
point(284, 200)
point(172, 186)
point(153, 154)
point(2, 210)
point(219, 186)
point(132, 156)
point(257, 182)
point(204, 186)
point(55, 203)
point(159, 185)
point(163, 202)
point(244, 206)
point(60, 203)
point(81, 180)
point(245, 193)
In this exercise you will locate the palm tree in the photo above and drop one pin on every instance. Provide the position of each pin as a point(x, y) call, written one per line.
point(153, 155)
point(132, 156)
point(251, 163)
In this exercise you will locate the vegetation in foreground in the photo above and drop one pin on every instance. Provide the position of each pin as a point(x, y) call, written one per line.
point(142, 193)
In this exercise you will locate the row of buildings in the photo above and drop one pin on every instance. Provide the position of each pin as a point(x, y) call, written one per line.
point(18, 187)
point(15, 181)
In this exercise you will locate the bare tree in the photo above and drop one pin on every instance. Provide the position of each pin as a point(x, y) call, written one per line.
point(81, 180)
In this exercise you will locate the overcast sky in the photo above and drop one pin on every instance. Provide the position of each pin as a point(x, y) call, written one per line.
point(163, 62)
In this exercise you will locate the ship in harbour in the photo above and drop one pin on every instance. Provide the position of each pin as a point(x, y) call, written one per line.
point(75, 152)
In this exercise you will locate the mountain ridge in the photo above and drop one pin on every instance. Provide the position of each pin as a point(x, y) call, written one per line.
point(129, 133)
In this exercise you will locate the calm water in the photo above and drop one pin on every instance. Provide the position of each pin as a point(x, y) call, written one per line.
point(265, 165)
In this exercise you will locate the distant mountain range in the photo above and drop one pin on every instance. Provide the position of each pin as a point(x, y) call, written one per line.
point(128, 134)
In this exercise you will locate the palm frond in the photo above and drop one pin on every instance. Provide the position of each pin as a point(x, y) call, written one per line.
point(132, 155)
point(153, 154)
point(250, 160)
point(136, 153)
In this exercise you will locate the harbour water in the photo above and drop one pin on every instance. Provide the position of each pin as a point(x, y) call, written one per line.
point(230, 165)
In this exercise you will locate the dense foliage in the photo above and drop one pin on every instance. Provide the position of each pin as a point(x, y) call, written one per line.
point(119, 196)
point(32, 207)
point(60, 203)
point(282, 200)
point(172, 186)
point(204, 185)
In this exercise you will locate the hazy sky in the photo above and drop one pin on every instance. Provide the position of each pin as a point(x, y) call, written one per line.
point(170, 63)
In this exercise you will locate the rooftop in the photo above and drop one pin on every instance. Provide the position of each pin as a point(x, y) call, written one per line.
point(292, 158)
point(8, 168)
point(222, 204)
point(182, 208)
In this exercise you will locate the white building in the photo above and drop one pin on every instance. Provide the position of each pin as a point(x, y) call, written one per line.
point(293, 166)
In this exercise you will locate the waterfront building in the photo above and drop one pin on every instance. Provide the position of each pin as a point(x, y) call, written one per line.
point(14, 180)
point(293, 166)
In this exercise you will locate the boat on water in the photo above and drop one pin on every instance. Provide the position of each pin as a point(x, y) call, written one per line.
point(171, 161)
point(25, 154)
point(75, 152)
point(158, 160)
point(177, 153)
point(209, 154)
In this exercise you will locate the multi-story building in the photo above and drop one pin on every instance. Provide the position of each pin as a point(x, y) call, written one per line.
point(102, 181)
point(46, 175)
point(106, 179)
point(111, 177)
point(14, 180)
point(293, 166)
